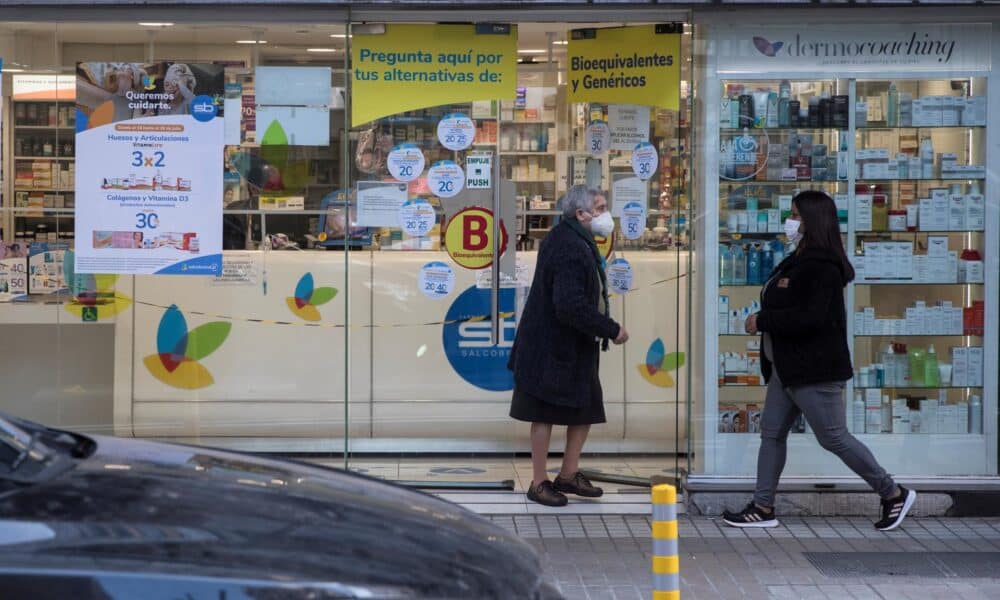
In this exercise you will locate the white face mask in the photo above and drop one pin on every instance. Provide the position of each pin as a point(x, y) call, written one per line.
point(602, 224)
point(792, 230)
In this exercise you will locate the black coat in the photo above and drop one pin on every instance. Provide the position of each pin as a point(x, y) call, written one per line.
point(802, 308)
point(555, 353)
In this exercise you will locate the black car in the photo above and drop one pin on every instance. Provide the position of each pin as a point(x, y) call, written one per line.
point(108, 518)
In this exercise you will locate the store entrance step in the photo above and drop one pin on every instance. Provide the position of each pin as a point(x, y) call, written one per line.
point(613, 502)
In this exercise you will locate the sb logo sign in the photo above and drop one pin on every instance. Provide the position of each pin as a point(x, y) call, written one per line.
point(469, 238)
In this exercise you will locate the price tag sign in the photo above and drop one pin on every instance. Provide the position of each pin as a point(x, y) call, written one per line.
point(633, 220)
point(406, 162)
point(645, 159)
point(619, 274)
point(598, 137)
point(437, 280)
point(456, 131)
point(417, 217)
point(446, 179)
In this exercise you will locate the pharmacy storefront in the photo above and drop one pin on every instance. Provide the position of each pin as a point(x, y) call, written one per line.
point(348, 281)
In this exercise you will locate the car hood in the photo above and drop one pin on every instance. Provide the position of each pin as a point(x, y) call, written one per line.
point(165, 509)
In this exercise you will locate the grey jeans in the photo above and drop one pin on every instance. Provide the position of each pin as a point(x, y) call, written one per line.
point(823, 406)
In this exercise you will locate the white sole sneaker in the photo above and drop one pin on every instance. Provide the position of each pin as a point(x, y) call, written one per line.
point(742, 525)
point(911, 497)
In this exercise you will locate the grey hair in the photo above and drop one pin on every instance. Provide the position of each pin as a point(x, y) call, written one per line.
point(578, 197)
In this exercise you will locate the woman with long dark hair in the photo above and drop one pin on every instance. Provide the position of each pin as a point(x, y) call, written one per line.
point(805, 361)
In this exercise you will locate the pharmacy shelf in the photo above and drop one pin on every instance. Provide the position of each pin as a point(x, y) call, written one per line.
point(525, 153)
point(62, 190)
point(505, 123)
point(46, 127)
point(44, 158)
point(780, 182)
point(915, 335)
point(917, 387)
point(912, 283)
point(780, 130)
point(932, 180)
point(896, 128)
point(941, 232)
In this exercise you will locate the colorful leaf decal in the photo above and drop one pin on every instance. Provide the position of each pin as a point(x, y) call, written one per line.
point(323, 295)
point(275, 135)
point(304, 289)
point(654, 356)
point(171, 336)
point(206, 339)
point(105, 283)
point(673, 361)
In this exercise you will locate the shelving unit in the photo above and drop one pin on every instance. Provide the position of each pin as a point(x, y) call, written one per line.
point(914, 269)
point(41, 190)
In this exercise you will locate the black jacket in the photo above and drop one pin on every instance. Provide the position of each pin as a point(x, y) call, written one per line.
point(555, 353)
point(802, 308)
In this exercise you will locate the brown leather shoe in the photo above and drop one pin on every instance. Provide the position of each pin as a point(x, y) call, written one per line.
point(544, 493)
point(577, 484)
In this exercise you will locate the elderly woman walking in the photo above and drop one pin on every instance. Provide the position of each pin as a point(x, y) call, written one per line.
point(562, 331)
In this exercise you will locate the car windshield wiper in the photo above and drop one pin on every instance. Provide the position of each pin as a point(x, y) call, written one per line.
point(24, 454)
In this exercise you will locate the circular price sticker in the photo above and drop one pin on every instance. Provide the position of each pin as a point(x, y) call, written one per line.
point(645, 159)
point(416, 217)
point(446, 179)
point(456, 131)
point(406, 162)
point(469, 238)
point(633, 220)
point(437, 280)
point(598, 137)
point(619, 274)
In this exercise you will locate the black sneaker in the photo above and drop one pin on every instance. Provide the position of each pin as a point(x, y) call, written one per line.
point(579, 485)
point(544, 493)
point(751, 516)
point(894, 511)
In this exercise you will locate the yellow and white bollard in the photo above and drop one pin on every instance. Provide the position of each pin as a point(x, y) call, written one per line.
point(666, 562)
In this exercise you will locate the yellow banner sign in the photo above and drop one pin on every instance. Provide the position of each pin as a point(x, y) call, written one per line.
point(418, 66)
point(625, 65)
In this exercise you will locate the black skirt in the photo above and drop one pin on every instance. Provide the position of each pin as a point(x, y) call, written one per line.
point(525, 407)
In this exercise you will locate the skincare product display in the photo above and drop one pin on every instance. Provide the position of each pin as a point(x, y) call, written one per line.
point(942, 318)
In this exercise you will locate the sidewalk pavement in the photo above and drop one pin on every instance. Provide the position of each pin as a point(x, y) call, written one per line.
point(607, 557)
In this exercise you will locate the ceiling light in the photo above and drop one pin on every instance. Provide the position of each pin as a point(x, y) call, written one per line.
point(12, 70)
point(155, 24)
point(251, 42)
point(321, 50)
point(532, 51)
point(560, 42)
point(338, 35)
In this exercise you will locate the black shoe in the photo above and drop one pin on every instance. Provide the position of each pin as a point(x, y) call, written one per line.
point(544, 493)
point(894, 511)
point(751, 516)
point(579, 485)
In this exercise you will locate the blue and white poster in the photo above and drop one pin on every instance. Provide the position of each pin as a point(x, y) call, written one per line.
point(149, 173)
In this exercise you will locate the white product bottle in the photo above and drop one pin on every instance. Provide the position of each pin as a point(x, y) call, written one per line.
point(886, 414)
point(889, 362)
point(858, 413)
point(975, 414)
point(926, 159)
point(842, 164)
